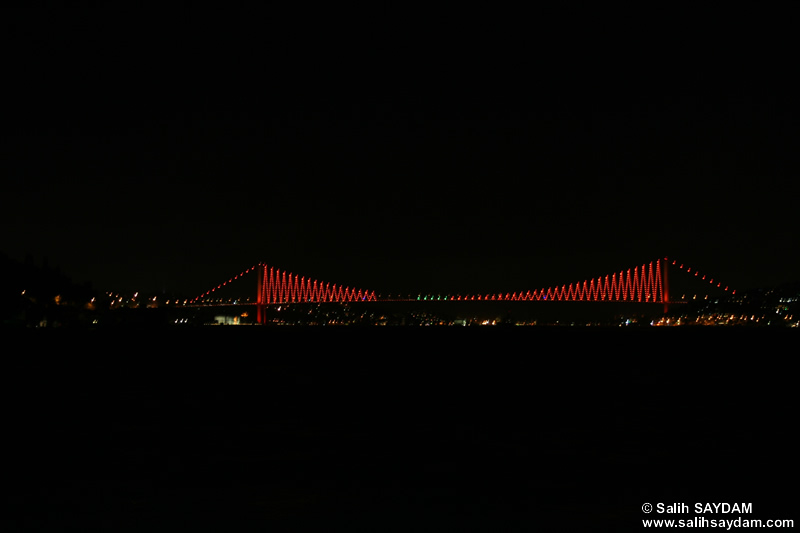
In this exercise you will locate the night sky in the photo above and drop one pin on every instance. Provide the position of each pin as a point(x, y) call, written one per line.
point(396, 152)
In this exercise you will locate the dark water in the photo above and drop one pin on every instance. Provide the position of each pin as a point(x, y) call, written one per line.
point(392, 429)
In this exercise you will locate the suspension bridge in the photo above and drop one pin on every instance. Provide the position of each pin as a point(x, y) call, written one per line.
point(645, 283)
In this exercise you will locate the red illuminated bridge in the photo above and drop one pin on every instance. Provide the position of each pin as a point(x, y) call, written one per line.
point(646, 283)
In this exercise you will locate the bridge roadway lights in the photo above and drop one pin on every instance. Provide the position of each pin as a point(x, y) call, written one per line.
point(640, 284)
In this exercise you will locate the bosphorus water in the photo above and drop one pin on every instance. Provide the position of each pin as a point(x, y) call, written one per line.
point(390, 428)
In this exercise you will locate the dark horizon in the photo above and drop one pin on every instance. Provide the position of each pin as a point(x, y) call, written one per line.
point(175, 162)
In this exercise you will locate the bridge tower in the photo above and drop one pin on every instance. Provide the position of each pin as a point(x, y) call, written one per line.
point(665, 285)
point(260, 314)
